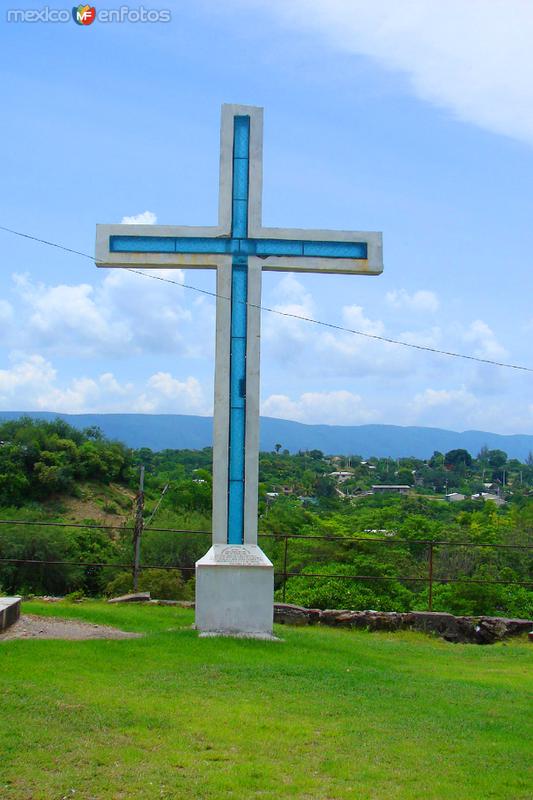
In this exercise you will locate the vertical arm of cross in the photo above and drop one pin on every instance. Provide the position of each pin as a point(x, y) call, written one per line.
point(238, 342)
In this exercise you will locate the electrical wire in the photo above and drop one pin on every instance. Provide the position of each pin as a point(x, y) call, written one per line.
point(330, 325)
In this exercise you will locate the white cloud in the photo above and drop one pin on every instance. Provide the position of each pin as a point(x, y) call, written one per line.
point(6, 311)
point(354, 318)
point(29, 373)
point(155, 312)
point(109, 384)
point(311, 349)
point(168, 394)
point(124, 314)
point(473, 57)
point(32, 383)
point(69, 318)
point(284, 337)
point(6, 320)
point(449, 408)
point(422, 338)
point(334, 408)
point(291, 297)
point(146, 218)
point(461, 409)
point(347, 354)
point(484, 339)
point(433, 398)
point(422, 300)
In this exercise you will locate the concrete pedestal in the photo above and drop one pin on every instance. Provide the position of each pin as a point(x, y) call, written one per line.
point(235, 591)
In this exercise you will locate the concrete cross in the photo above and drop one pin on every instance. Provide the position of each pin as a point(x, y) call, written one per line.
point(239, 248)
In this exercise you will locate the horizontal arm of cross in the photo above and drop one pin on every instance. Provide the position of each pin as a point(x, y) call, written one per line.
point(349, 252)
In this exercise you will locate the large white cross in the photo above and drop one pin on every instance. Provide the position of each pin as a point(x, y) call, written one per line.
point(239, 248)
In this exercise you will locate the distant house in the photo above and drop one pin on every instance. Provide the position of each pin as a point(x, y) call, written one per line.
point(341, 476)
point(455, 497)
point(380, 530)
point(308, 501)
point(391, 488)
point(493, 498)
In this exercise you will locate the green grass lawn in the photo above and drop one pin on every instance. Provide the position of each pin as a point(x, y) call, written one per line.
point(322, 715)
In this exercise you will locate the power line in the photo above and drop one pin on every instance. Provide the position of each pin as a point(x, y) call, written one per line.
point(331, 325)
point(156, 509)
point(44, 241)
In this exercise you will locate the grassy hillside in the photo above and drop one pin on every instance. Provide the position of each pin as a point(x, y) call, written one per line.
point(322, 715)
point(106, 504)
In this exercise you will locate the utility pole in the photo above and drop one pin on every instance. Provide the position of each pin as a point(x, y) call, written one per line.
point(137, 531)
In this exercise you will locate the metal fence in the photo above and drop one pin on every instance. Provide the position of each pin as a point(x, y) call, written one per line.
point(430, 576)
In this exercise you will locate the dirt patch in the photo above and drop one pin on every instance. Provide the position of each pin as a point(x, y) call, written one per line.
point(31, 626)
point(94, 503)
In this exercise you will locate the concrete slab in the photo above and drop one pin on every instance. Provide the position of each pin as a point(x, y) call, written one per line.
point(9, 611)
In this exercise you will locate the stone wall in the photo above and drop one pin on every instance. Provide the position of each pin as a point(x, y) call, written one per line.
point(474, 630)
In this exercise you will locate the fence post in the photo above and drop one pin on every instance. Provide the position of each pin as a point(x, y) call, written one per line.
point(430, 566)
point(285, 567)
point(137, 531)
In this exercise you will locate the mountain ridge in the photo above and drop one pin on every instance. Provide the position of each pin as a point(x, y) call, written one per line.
point(181, 431)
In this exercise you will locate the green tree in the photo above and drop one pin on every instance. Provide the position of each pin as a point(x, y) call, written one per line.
point(497, 459)
point(458, 458)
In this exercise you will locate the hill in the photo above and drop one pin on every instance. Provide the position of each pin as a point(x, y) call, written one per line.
point(178, 431)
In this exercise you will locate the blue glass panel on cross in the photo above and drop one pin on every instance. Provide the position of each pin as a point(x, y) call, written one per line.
point(238, 340)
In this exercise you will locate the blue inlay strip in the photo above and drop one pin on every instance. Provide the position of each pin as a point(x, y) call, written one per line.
point(241, 137)
point(240, 178)
point(241, 163)
point(239, 297)
point(186, 244)
point(336, 249)
point(237, 429)
point(235, 511)
point(142, 244)
point(278, 247)
point(236, 245)
point(239, 221)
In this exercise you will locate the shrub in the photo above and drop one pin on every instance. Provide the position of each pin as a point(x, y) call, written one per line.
point(72, 597)
point(477, 599)
point(163, 584)
point(385, 594)
point(29, 544)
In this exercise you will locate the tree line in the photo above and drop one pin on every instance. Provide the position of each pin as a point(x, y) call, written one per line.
point(43, 461)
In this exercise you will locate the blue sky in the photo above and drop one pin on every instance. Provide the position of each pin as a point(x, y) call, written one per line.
point(415, 119)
